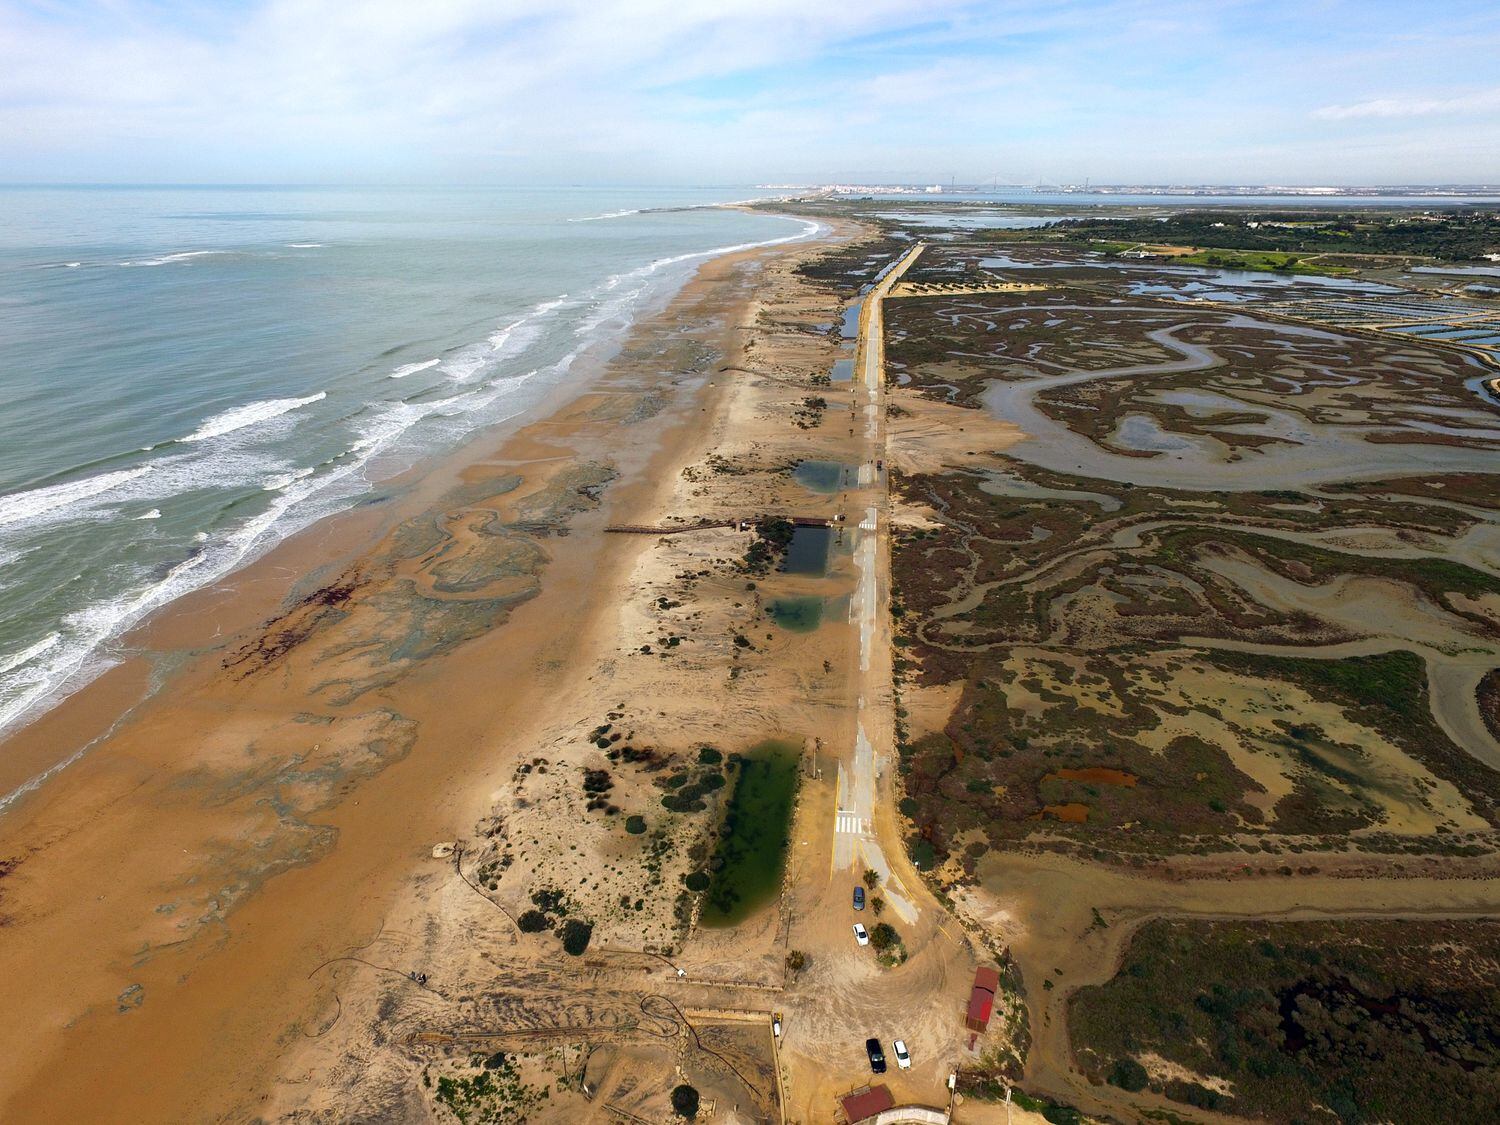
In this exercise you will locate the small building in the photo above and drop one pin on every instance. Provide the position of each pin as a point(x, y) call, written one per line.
point(865, 1102)
point(982, 999)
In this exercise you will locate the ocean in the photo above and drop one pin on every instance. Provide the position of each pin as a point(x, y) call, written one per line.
point(190, 375)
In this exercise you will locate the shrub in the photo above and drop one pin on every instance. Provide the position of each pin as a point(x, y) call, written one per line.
point(708, 756)
point(685, 1101)
point(635, 825)
point(697, 881)
point(533, 922)
point(796, 960)
point(575, 936)
point(1128, 1075)
point(922, 854)
point(883, 935)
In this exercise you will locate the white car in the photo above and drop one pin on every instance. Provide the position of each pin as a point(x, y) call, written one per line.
point(903, 1059)
point(861, 934)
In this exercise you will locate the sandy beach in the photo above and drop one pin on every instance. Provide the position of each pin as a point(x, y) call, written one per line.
point(330, 714)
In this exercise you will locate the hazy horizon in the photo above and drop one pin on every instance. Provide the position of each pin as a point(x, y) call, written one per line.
point(642, 92)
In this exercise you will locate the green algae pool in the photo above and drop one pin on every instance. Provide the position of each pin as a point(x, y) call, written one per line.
point(797, 615)
point(825, 477)
point(749, 862)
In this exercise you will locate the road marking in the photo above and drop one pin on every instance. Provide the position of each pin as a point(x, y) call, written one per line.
point(868, 523)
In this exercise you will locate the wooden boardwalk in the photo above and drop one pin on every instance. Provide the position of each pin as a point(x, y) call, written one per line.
point(705, 525)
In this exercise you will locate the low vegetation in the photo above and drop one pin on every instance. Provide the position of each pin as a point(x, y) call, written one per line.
point(1303, 1022)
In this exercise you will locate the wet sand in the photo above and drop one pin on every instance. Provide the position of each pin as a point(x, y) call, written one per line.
point(337, 709)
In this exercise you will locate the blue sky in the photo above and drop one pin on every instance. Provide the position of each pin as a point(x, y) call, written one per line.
point(750, 91)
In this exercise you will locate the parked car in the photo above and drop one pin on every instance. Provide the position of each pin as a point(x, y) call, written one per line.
point(859, 898)
point(861, 934)
point(903, 1059)
point(776, 1026)
point(877, 1056)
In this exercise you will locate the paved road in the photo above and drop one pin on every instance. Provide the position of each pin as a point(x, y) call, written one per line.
point(855, 846)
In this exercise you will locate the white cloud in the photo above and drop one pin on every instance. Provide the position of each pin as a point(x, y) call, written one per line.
point(704, 90)
point(1477, 102)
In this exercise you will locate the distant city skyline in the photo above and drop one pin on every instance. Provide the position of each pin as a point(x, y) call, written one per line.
point(1318, 92)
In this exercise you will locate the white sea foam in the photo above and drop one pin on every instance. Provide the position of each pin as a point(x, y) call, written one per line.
point(618, 294)
point(607, 215)
point(26, 655)
point(153, 514)
point(180, 256)
point(412, 368)
point(282, 480)
point(462, 364)
point(55, 499)
point(249, 415)
point(305, 245)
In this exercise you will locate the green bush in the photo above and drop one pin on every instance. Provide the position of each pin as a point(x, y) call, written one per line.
point(685, 1101)
point(635, 825)
point(708, 756)
point(1129, 1075)
point(533, 922)
point(697, 881)
point(575, 936)
point(883, 935)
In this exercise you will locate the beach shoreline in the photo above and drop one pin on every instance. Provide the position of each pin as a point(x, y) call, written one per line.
point(268, 800)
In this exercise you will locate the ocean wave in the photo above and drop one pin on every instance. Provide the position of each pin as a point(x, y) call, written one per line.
point(607, 215)
point(55, 499)
point(26, 655)
point(249, 415)
point(180, 256)
point(283, 480)
point(623, 290)
point(153, 514)
point(78, 654)
point(305, 245)
point(412, 368)
point(462, 364)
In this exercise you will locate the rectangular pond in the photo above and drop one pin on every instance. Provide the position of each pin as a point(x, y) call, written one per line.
point(748, 864)
point(824, 477)
point(808, 551)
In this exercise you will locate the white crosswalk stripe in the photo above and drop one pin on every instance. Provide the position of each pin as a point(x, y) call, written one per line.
point(850, 823)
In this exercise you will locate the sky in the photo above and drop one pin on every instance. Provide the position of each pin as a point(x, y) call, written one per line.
point(750, 91)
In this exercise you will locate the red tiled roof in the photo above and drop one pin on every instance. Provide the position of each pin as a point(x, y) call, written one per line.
point(867, 1103)
point(981, 1004)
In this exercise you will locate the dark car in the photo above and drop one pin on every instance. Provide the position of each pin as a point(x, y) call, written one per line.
point(877, 1056)
point(859, 898)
